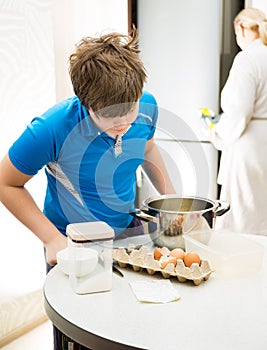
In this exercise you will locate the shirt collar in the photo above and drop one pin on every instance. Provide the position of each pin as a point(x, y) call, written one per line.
point(88, 128)
point(255, 43)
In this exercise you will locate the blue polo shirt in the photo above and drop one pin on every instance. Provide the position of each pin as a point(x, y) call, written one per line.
point(86, 180)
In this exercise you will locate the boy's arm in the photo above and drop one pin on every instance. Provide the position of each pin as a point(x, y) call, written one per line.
point(155, 169)
point(20, 203)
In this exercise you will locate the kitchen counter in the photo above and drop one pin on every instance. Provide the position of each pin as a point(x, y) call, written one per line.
point(218, 314)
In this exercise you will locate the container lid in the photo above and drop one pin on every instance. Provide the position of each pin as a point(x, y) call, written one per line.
point(90, 231)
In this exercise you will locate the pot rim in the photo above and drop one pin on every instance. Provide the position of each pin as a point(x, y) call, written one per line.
point(215, 204)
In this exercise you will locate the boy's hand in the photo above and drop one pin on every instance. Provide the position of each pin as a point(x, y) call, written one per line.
point(58, 243)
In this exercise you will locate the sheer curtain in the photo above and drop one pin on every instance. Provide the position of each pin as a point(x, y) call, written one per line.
point(27, 88)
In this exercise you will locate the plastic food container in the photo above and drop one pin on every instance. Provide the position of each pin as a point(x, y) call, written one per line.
point(90, 247)
point(230, 254)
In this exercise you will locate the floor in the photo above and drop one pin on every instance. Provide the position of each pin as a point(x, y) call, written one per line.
point(40, 338)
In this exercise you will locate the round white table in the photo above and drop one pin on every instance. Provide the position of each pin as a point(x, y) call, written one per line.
point(219, 314)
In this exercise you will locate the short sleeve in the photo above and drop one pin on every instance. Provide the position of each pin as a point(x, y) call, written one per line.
point(148, 109)
point(33, 149)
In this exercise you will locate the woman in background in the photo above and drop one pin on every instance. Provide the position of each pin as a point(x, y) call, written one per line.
point(241, 133)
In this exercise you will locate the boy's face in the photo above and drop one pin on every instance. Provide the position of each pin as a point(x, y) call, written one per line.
point(117, 125)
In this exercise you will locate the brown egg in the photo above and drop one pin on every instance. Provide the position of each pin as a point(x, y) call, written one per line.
point(178, 253)
point(157, 253)
point(161, 251)
point(191, 258)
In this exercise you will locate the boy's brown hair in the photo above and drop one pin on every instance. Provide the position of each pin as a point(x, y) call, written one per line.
point(107, 74)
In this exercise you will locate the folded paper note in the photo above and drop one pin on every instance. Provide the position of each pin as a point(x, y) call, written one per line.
point(155, 291)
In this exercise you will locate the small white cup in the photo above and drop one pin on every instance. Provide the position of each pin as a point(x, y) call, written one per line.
point(85, 261)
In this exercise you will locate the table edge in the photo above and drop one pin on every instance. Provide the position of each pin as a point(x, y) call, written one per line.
point(80, 335)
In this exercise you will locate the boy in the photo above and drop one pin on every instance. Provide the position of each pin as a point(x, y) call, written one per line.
point(90, 145)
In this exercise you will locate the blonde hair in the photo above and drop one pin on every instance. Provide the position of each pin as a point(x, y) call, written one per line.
point(107, 73)
point(255, 20)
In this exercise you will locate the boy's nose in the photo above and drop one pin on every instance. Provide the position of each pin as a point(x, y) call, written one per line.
point(120, 121)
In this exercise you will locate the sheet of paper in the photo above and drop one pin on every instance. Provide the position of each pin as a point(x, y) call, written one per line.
point(155, 291)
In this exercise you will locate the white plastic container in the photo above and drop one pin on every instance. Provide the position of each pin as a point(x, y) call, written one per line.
point(230, 254)
point(90, 246)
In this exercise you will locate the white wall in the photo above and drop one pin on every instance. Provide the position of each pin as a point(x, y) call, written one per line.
point(260, 4)
point(74, 20)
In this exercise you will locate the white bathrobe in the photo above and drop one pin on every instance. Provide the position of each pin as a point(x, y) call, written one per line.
point(241, 134)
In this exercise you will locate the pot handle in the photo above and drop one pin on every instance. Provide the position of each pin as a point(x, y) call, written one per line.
point(142, 215)
point(222, 208)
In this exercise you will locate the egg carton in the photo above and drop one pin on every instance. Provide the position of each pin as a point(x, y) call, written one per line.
point(143, 259)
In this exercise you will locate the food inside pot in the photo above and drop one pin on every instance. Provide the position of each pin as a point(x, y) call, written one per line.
point(175, 227)
point(179, 204)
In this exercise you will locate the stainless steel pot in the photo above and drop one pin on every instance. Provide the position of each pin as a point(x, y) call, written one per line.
point(170, 217)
